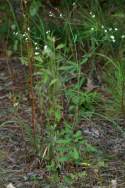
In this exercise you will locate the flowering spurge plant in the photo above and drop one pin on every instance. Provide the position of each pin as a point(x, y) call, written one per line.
point(113, 34)
point(98, 32)
point(49, 85)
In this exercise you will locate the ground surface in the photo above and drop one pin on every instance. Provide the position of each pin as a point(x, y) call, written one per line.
point(14, 166)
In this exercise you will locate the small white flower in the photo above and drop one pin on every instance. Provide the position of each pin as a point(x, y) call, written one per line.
point(15, 104)
point(26, 38)
point(61, 15)
point(92, 28)
point(112, 37)
point(102, 26)
point(123, 36)
point(24, 35)
point(35, 43)
point(110, 29)
point(36, 53)
point(36, 48)
point(15, 33)
point(28, 29)
point(105, 30)
point(74, 4)
point(113, 40)
point(45, 47)
point(50, 14)
point(47, 31)
point(116, 29)
point(93, 16)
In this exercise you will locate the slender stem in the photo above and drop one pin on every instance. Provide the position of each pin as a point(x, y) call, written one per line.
point(30, 56)
point(122, 99)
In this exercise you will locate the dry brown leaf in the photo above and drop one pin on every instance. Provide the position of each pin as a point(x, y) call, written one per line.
point(90, 86)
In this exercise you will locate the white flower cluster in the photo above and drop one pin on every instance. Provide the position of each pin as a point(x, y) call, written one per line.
point(36, 49)
point(110, 33)
point(48, 32)
point(25, 36)
point(51, 14)
point(46, 50)
point(109, 29)
point(92, 15)
point(112, 37)
point(15, 33)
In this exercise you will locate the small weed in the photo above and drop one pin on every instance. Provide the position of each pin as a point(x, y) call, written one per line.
point(116, 80)
point(65, 147)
